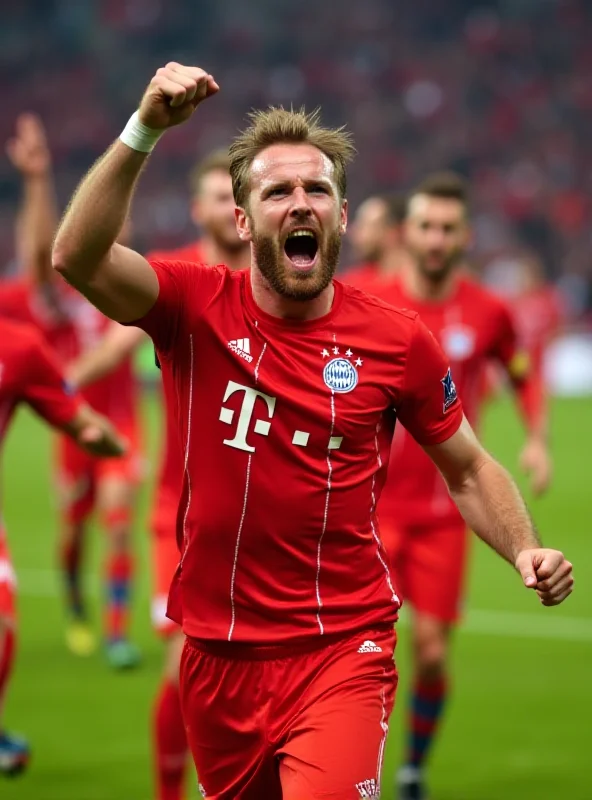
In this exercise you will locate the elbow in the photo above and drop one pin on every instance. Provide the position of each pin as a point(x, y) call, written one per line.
point(61, 260)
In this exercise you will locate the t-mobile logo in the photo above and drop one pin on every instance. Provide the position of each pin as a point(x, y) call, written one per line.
point(244, 418)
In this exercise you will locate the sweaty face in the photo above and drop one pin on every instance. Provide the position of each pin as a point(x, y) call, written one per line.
point(295, 219)
point(436, 234)
point(369, 230)
point(213, 210)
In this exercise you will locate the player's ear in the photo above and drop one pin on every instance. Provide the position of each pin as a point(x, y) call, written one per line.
point(243, 224)
point(196, 211)
point(343, 217)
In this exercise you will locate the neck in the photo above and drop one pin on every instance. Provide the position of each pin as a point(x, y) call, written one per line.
point(420, 287)
point(216, 253)
point(276, 305)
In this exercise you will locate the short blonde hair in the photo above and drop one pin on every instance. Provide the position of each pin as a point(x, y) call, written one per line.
point(277, 125)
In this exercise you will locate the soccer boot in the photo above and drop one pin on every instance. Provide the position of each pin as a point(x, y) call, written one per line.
point(14, 754)
point(122, 654)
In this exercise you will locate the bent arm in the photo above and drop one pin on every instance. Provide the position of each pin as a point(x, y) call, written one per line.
point(117, 344)
point(116, 279)
point(485, 494)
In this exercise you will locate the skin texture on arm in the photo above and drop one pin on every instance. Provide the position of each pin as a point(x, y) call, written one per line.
point(38, 217)
point(95, 434)
point(115, 346)
point(492, 506)
point(117, 280)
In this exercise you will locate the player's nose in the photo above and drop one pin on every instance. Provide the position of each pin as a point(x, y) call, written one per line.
point(300, 203)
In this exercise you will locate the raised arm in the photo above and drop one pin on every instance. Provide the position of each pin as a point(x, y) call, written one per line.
point(492, 506)
point(38, 217)
point(116, 345)
point(117, 280)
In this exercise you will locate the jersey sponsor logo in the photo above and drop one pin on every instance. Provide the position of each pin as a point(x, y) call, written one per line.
point(369, 788)
point(458, 342)
point(449, 390)
point(250, 396)
point(369, 647)
point(242, 347)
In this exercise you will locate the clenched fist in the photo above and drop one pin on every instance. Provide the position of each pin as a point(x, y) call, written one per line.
point(548, 572)
point(28, 149)
point(173, 94)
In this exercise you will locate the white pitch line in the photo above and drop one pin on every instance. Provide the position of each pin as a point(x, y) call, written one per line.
point(482, 622)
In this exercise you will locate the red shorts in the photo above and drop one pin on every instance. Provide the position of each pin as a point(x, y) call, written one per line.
point(80, 473)
point(289, 723)
point(7, 582)
point(429, 562)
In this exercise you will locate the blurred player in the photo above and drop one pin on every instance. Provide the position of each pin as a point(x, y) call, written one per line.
point(213, 213)
point(29, 374)
point(285, 381)
point(423, 531)
point(376, 239)
point(71, 325)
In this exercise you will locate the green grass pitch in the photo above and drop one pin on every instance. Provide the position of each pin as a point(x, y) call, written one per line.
point(519, 724)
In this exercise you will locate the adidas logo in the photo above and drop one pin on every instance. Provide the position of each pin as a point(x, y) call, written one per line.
point(368, 788)
point(369, 647)
point(242, 347)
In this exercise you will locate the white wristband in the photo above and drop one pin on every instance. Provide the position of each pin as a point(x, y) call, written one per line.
point(139, 136)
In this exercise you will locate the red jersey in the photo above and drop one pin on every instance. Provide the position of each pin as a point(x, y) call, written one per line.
point(170, 474)
point(71, 328)
point(29, 373)
point(286, 428)
point(537, 315)
point(362, 275)
point(472, 326)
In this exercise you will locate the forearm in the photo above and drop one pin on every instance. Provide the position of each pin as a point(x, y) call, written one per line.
point(96, 214)
point(117, 345)
point(36, 227)
point(493, 508)
point(532, 404)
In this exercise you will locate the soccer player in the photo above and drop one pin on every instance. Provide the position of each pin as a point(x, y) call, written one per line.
point(72, 325)
point(283, 588)
point(424, 533)
point(376, 239)
point(30, 374)
point(213, 213)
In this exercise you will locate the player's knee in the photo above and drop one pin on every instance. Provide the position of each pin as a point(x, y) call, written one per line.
point(430, 656)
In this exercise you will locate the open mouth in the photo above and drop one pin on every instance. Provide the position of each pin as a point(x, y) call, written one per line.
point(301, 247)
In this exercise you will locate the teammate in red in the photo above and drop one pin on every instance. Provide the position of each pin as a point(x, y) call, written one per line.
point(423, 531)
point(376, 239)
point(29, 374)
point(213, 213)
point(286, 384)
point(72, 326)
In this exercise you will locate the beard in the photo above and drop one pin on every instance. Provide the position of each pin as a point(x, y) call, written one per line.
point(439, 273)
point(292, 284)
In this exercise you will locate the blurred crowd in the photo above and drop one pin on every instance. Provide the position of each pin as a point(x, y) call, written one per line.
point(499, 92)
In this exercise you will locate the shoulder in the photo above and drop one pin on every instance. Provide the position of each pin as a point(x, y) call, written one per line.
point(481, 296)
point(20, 340)
point(358, 300)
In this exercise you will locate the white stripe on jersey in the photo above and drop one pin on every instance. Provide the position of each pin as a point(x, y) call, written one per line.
point(385, 727)
point(242, 520)
point(326, 514)
point(379, 545)
point(187, 445)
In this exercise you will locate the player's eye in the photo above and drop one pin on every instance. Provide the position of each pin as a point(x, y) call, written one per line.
point(277, 191)
point(318, 189)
